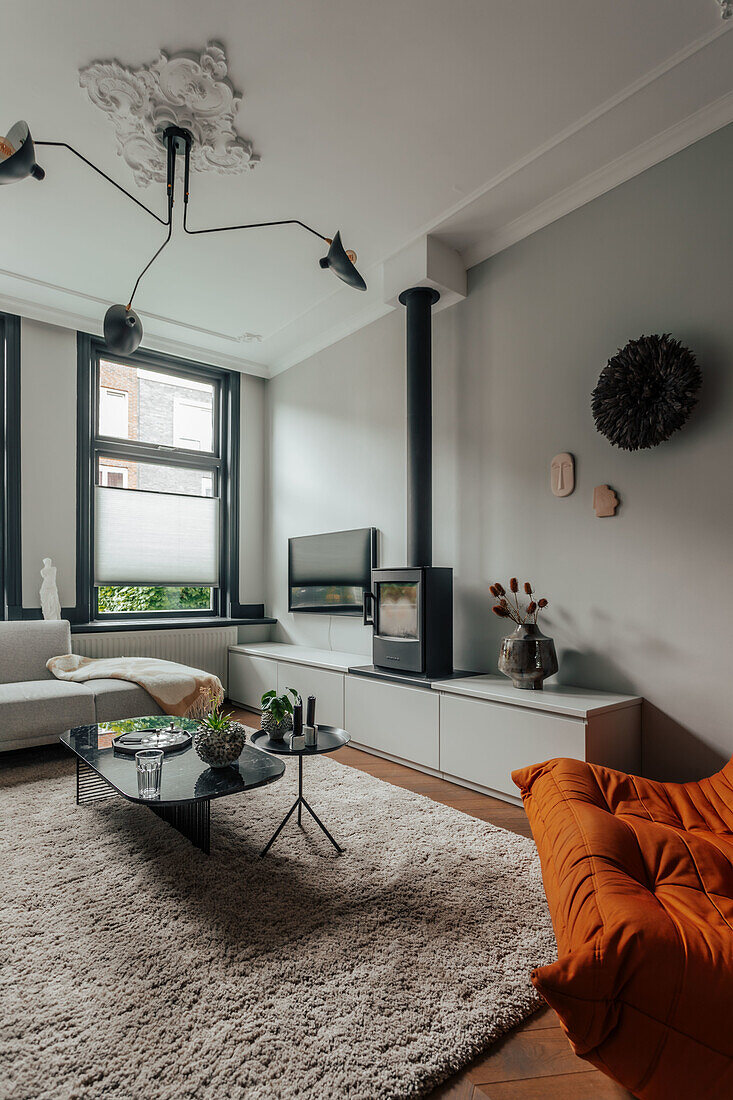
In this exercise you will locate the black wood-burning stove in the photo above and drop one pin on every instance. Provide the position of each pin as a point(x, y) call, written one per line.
point(412, 616)
point(411, 608)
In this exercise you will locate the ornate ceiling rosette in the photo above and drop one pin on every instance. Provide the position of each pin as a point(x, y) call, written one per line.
point(180, 90)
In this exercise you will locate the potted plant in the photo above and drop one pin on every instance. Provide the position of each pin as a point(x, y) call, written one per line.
point(218, 740)
point(277, 712)
point(527, 656)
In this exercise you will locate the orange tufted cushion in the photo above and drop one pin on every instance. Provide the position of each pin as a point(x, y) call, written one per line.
point(639, 880)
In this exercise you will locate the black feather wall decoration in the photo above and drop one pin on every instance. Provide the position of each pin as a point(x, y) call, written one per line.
point(646, 392)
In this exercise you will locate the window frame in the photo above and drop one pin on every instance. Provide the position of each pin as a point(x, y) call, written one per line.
point(10, 517)
point(222, 462)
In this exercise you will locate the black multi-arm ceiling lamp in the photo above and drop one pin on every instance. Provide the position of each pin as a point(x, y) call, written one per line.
point(122, 328)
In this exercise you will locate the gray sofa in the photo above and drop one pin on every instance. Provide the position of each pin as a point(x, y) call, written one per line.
point(35, 707)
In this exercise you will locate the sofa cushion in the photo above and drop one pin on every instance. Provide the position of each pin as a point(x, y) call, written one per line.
point(117, 699)
point(639, 879)
point(26, 646)
point(34, 711)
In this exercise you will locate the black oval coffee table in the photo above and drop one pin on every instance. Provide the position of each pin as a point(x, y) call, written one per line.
point(187, 783)
point(329, 739)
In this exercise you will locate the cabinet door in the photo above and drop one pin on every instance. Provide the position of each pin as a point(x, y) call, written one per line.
point(401, 721)
point(484, 742)
point(250, 678)
point(327, 686)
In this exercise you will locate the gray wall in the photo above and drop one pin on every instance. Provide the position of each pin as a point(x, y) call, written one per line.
point(639, 602)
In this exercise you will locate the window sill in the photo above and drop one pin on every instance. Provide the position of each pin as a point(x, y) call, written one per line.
point(109, 625)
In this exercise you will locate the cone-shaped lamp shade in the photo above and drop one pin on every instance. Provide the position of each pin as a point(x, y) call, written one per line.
point(122, 330)
point(339, 262)
point(18, 156)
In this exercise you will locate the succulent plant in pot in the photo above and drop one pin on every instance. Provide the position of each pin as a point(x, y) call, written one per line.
point(219, 740)
point(277, 712)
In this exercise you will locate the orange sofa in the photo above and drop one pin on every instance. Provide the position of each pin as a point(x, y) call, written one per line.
point(639, 880)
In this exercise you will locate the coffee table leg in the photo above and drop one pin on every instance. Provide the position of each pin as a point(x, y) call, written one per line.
point(90, 786)
point(191, 819)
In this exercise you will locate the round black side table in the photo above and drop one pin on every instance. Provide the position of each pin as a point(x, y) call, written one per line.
point(329, 739)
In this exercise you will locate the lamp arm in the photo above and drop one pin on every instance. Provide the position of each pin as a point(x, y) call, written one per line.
point(65, 145)
point(170, 187)
point(252, 225)
point(149, 264)
point(229, 228)
point(256, 225)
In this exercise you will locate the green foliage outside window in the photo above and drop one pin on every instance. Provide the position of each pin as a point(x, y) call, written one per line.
point(116, 598)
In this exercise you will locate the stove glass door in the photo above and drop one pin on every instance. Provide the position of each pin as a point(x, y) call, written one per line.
point(397, 610)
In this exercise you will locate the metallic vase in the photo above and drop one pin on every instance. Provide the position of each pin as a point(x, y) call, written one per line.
point(528, 657)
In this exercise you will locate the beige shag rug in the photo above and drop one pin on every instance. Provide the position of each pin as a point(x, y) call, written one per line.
point(134, 966)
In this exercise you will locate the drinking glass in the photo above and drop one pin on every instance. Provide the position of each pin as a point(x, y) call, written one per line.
point(149, 768)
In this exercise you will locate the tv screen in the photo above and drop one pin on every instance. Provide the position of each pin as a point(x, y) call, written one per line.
point(329, 573)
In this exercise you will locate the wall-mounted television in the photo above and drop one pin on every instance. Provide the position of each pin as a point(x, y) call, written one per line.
point(329, 574)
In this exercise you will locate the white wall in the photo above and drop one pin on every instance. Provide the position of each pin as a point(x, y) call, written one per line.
point(252, 491)
point(48, 466)
point(639, 602)
point(48, 457)
point(336, 436)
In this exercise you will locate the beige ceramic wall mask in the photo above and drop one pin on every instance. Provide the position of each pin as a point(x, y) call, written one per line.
point(562, 475)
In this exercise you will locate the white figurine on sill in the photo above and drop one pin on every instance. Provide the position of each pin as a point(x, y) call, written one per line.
point(50, 603)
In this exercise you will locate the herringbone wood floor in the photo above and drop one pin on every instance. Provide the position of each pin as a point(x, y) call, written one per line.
point(534, 1061)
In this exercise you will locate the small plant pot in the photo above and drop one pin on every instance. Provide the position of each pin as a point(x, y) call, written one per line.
point(276, 730)
point(220, 748)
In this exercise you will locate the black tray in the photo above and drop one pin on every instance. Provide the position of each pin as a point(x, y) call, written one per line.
point(166, 738)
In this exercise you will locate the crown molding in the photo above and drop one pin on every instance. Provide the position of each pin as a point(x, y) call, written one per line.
point(330, 336)
point(673, 140)
point(605, 108)
point(78, 322)
point(700, 124)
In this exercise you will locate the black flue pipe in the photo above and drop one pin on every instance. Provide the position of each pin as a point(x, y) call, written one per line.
point(418, 302)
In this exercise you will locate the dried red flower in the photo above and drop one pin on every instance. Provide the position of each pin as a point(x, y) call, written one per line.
point(500, 588)
point(528, 588)
point(542, 603)
point(531, 607)
point(494, 591)
point(514, 584)
point(500, 611)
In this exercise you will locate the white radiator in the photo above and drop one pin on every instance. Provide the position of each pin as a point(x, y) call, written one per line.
point(207, 648)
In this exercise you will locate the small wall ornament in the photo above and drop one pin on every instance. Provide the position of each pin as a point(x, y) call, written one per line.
point(646, 392)
point(562, 474)
point(605, 501)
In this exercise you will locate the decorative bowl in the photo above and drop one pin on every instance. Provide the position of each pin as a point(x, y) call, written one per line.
point(220, 748)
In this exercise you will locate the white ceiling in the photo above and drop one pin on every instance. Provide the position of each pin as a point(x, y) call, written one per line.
point(476, 120)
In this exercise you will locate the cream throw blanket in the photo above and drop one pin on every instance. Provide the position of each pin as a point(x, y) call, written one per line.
point(177, 689)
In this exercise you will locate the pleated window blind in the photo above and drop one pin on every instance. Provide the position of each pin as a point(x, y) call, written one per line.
point(155, 538)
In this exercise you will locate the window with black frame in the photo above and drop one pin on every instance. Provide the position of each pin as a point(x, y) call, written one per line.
point(10, 550)
point(157, 506)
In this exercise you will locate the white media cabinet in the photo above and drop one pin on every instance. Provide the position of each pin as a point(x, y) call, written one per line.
point(474, 730)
